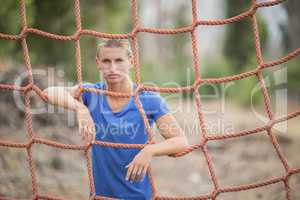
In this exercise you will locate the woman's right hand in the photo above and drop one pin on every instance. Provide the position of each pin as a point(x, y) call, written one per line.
point(86, 124)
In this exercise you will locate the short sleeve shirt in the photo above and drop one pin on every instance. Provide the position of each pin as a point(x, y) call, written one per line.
point(124, 126)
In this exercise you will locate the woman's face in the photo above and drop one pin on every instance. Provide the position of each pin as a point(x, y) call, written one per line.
point(114, 64)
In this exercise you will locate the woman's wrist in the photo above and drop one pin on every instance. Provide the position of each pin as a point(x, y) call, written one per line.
point(79, 107)
point(149, 149)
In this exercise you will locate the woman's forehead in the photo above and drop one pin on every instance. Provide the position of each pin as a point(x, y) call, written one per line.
point(112, 52)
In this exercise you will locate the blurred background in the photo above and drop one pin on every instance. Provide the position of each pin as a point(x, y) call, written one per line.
point(166, 61)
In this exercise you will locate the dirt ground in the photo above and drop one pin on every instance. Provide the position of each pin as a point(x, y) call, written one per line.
point(244, 160)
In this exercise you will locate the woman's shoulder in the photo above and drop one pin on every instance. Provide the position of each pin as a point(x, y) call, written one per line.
point(149, 94)
point(153, 103)
point(97, 85)
point(150, 97)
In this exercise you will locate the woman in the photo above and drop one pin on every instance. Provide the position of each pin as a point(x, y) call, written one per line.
point(117, 172)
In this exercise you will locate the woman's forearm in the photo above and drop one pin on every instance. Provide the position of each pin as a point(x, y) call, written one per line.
point(168, 146)
point(61, 97)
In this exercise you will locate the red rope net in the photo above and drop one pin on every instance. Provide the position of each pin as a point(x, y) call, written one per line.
point(204, 137)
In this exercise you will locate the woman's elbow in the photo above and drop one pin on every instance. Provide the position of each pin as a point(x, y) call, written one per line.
point(48, 90)
point(45, 91)
point(53, 91)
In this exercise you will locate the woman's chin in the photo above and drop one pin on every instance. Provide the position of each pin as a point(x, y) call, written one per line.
point(114, 80)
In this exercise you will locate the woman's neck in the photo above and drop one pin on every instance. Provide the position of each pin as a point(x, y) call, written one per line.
point(126, 86)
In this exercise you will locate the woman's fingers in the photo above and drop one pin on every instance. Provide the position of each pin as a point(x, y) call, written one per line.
point(91, 131)
point(129, 170)
point(133, 172)
point(82, 127)
point(86, 129)
point(138, 176)
point(84, 133)
point(144, 172)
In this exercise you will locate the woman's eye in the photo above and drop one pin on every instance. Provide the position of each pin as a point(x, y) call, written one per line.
point(119, 60)
point(105, 61)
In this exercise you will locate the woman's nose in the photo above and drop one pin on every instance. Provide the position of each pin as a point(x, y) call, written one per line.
point(113, 66)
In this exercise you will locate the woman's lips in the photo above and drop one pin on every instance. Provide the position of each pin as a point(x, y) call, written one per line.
point(113, 75)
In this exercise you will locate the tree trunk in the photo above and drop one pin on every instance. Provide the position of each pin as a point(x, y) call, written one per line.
point(292, 40)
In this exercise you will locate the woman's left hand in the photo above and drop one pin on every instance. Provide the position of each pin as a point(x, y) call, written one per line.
point(138, 167)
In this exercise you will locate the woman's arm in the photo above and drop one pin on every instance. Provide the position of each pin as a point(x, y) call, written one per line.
point(175, 142)
point(64, 96)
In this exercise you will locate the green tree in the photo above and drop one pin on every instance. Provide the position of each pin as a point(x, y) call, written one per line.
point(291, 31)
point(239, 48)
point(58, 17)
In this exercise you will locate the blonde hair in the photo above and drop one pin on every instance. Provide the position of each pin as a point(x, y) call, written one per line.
point(115, 43)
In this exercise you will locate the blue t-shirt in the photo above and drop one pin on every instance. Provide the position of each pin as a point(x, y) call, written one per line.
point(125, 126)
